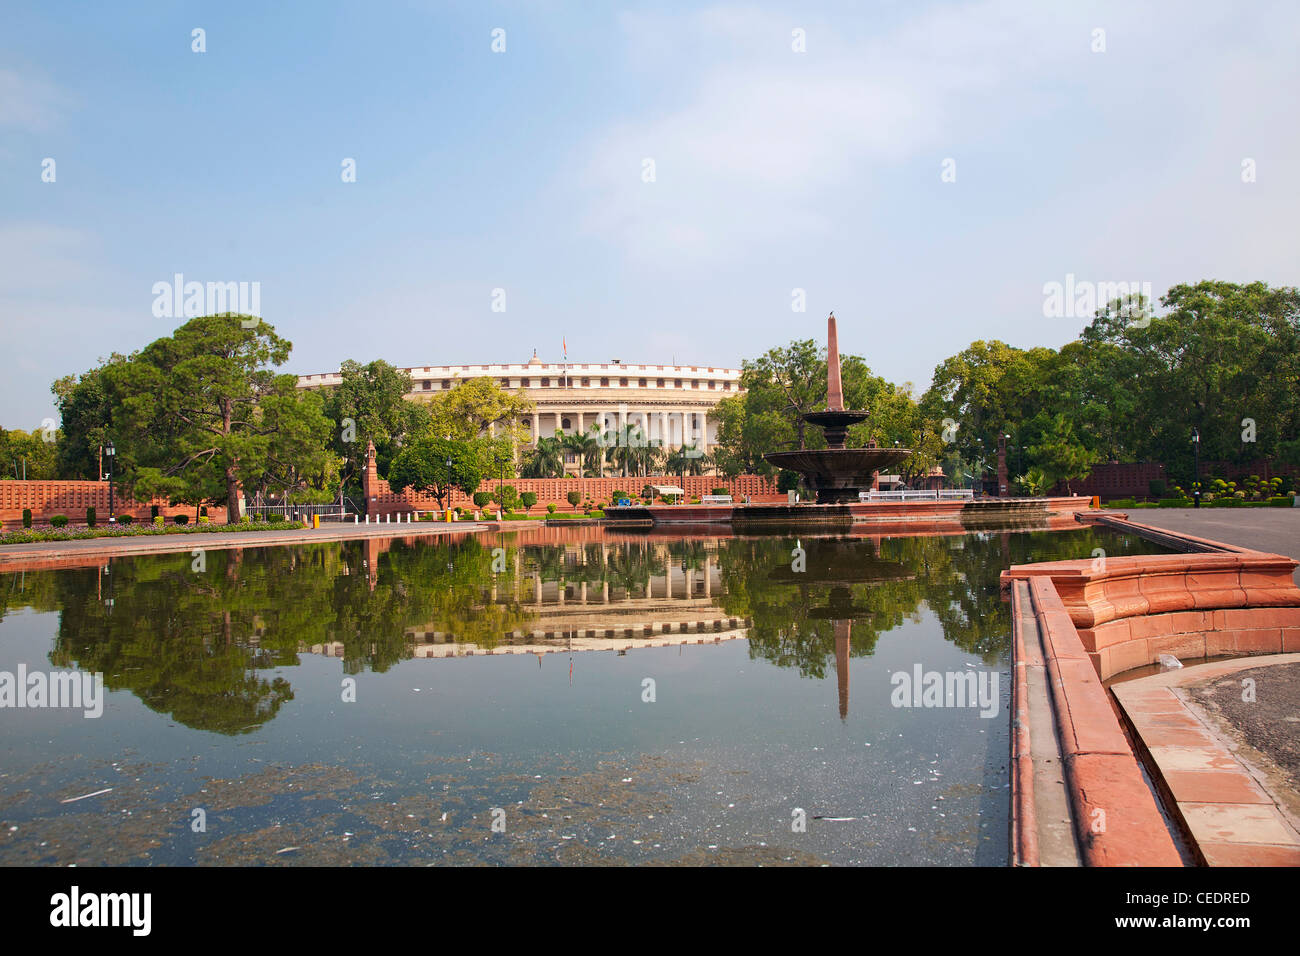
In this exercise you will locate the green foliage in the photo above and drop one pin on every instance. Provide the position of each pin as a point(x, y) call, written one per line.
point(575, 497)
point(528, 499)
point(29, 453)
point(1156, 487)
point(58, 521)
point(550, 508)
point(506, 496)
point(90, 517)
point(435, 466)
point(199, 412)
point(481, 499)
point(181, 519)
point(125, 519)
point(157, 519)
point(787, 480)
point(369, 404)
point(27, 517)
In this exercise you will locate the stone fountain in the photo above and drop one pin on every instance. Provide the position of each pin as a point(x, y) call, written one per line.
point(837, 473)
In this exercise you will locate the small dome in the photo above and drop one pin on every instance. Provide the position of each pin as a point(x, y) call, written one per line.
point(534, 360)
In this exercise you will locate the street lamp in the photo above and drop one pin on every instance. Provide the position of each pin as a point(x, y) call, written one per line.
point(111, 452)
point(1196, 468)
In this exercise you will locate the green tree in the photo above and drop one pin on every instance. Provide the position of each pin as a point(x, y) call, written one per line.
point(435, 466)
point(189, 415)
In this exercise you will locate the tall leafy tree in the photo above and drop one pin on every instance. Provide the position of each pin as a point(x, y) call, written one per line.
point(189, 415)
point(436, 466)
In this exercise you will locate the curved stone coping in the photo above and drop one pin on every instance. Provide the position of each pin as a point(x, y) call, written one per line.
point(1131, 609)
point(1094, 618)
point(1106, 803)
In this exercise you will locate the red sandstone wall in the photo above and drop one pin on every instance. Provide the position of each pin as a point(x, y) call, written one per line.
point(72, 498)
point(553, 491)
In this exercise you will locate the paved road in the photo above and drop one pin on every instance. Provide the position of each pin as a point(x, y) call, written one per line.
point(1276, 530)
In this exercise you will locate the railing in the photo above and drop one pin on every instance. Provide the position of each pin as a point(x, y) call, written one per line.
point(950, 494)
point(297, 512)
point(715, 499)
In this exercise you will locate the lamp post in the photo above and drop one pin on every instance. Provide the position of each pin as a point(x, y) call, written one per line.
point(1196, 467)
point(111, 452)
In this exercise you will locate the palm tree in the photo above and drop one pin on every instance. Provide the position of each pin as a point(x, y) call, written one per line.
point(686, 460)
point(546, 460)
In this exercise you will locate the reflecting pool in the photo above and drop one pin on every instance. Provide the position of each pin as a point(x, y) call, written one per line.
point(551, 696)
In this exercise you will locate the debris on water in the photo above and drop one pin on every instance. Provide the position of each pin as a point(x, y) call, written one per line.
point(85, 796)
point(1168, 662)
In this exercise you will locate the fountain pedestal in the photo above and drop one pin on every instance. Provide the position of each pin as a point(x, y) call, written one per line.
point(835, 472)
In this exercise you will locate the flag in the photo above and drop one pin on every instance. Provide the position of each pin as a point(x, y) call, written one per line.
point(565, 343)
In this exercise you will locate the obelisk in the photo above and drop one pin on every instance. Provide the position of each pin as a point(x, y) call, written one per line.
point(834, 390)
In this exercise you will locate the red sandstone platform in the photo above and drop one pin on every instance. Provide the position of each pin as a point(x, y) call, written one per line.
point(1233, 810)
point(1075, 772)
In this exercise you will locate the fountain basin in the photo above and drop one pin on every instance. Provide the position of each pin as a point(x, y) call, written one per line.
point(838, 474)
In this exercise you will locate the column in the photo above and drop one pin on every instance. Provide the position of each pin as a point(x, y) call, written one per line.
point(704, 431)
point(663, 428)
point(558, 419)
point(708, 577)
point(537, 426)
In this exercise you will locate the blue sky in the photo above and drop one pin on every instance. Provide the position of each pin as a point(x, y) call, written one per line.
point(523, 170)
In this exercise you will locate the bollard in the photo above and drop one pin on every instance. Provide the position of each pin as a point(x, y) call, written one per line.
point(367, 517)
point(315, 521)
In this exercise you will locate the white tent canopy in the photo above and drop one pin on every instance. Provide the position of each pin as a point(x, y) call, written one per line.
point(667, 490)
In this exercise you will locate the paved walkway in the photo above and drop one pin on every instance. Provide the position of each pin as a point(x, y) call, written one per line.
point(1216, 758)
point(1275, 530)
point(17, 555)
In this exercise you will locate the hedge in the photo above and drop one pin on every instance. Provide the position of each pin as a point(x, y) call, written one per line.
point(58, 521)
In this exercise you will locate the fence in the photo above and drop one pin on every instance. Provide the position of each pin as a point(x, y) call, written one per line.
point(940, 495)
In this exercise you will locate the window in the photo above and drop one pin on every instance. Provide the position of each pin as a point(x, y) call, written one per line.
point(586, 382)
point(427, 385)
point(604, 383)
point(726, 386)
point(505, 383)
point(659, 383)
point(564, 423)
point(623, 382)
point(525, 383)
point(678, 383)
point(446, 383)
point(643, 383)
point(546, 383)
point(712, 384)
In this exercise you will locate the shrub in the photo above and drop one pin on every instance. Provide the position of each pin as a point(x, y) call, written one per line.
point(58, 521)
point(181, 519)
point(157, 519)
point(27, 517)
point(1282, 501)
point(204, 519)
point(90, 517)
point(528, 499)
point(720, 491)
point(574, 498)
point(1157, 487)
point(1173, 503)
point(1121, 503)
point(125, 519)
point(481, 498)
point(598, 514)
point(695, 501)
point(550, 509)
point(274, 518)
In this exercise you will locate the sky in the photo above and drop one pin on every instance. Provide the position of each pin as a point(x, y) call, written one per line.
point(646, 181)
